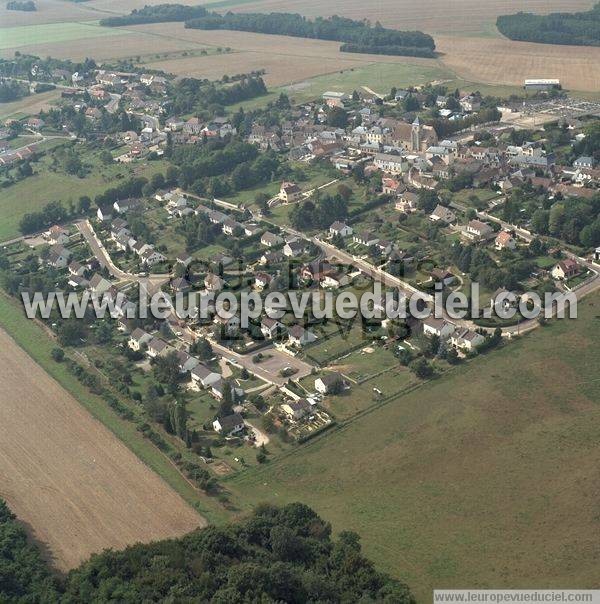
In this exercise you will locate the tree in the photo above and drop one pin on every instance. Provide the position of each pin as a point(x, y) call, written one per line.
point(202, 349)
point(84, 204)
point(58, 354)
point(226, 406)
point(427, 200)
point(337, 117)
point(71, 332)
point(344, 191)
point(422, 368)
point(166, 369)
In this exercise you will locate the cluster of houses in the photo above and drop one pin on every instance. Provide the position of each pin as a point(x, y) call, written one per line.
point(122, 236)
point(460, 338)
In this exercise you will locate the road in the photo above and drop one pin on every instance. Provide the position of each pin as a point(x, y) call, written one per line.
point(269, 368)
point(151, 282)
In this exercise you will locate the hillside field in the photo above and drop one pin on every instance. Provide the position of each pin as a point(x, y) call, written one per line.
point(487, 477)
point(76, 487)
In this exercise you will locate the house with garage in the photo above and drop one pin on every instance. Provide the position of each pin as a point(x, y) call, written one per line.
point(271, 328)
point(477, 230)
point(442, 214)
point(330, 383)
point(138, 338)
point(466, 339)
point(57, 235)
point(269, 239)
point(124, 206)
point(365, 238)
point(58, 257)
point(438, 327)
point(213, 283)
point(294, 248)
point(296, 410)
point(228, 425)
point(289, 192)
point(340, 229)
point(298, 336)
point(203, 377)
point(565, 269)
point(157, 347)
point(99, 285)
point(185, 361)
point(151, 257)
point(505, 241)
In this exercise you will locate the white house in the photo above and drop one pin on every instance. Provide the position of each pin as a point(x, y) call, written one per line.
point(230, 424)
point(270, 239)
point(341, 229)
point(442, 214)
point(271, 327)
point(565, 269)
point(478, 230)
point(365, 238)
point(466, 339)
point(296, 410)
point(330, 382)
point(298, 336)
point(138, 338)
point(438, 327)
point(203, 377)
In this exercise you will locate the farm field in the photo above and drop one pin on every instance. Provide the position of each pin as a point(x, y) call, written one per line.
point(111, 45)
point(443, 482)
point(75, 485)
point(260, 51)
point(15, 37)
point(48, 11)
point(502, 61)
point(28, 105)
point(469, 17)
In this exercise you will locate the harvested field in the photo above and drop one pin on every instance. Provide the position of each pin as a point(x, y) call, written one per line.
point(285, 59)
point(71, 481)
point(112, 46)
point(501, 61)
point(48, 11)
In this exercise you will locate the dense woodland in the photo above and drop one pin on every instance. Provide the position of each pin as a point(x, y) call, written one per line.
point(161, 13)
point(581, 29)
point(26, 5)
point(282, 554)
point(358, 36)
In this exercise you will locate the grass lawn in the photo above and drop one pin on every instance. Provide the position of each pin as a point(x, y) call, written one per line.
point(483, 477)
point(24, 35)
point(32, 338)
point(34, 192)
point(378, 76)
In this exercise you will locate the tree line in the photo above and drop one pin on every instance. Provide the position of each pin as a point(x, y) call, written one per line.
point(357, 34)
point(161, 13)
point(580, 29)
point(193, 95)
point(278, 554)
point(26, 5)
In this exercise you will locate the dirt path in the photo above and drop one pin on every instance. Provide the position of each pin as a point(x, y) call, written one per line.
point(76, 487)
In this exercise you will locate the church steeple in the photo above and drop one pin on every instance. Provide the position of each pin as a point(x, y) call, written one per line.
point(415, 136)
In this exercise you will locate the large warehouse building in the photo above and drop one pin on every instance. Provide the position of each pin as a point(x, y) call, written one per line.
point(542, 84)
